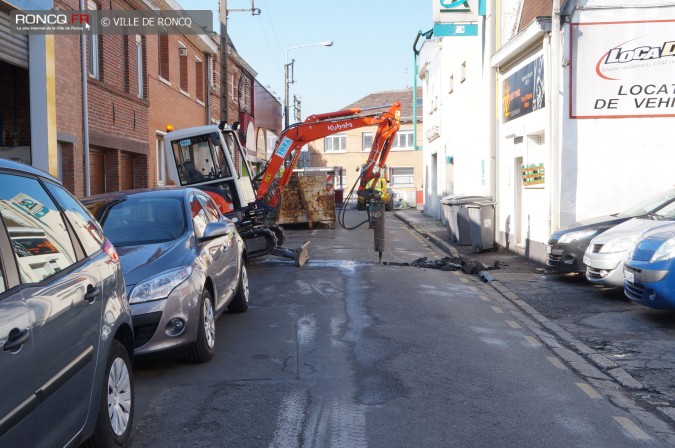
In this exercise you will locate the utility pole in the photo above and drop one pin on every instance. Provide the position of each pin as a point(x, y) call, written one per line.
point(224, 115)
point(288, 80)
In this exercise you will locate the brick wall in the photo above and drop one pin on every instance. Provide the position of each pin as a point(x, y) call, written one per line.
point(171, 104)
point(68, 83)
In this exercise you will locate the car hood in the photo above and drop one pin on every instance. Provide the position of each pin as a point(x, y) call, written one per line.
point(147, 260)
point(592, 222)
point(651, 242)
point(600, 223)
point(631, 228)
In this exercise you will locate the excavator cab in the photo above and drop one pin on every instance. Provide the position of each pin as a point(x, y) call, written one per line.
point(206, 158)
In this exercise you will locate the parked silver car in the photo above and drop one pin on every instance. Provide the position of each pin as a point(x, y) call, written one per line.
point(607, 252)
point(184, 264)
point(65, 324)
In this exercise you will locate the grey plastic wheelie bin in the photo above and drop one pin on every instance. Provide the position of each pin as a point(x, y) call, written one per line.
point(457, 217)
point(481, 214)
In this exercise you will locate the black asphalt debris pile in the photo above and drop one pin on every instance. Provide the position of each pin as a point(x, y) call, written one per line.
point(444, 264)
point(472, 267)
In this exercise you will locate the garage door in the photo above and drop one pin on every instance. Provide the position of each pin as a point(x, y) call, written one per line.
point(96, 171)
point(127, 171)
point(14, 48)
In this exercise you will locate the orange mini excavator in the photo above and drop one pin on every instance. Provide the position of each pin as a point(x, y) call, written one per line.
point(211, 158)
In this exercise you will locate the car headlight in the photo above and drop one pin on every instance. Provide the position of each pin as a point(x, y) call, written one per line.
point(578, 235)
point(666, 251)
point(618, 245)
point(160, 286)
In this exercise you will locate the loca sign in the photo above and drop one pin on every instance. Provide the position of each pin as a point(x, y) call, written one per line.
point(622, 69)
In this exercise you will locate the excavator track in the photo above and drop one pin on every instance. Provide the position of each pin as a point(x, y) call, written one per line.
point(260, 241)
point(279, 232)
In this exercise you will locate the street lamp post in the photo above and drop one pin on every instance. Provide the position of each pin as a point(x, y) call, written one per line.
point(288, 81)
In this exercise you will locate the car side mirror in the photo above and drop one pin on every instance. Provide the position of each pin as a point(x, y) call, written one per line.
point(215, 229)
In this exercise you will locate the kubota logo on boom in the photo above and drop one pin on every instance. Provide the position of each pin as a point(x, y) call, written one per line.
point(615, 58)
point(339, 127)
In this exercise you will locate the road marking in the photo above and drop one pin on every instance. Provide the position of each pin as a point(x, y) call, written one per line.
point(533, 341)
point(484, 298)
point(632, 428)
point(513, 324)
point(456, 272)
point(497, 310)
point(463, 280)
point(556, 362)
point(473, 288)
point(588, 390)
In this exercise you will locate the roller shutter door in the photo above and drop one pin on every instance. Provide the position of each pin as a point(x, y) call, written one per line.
point(127, 171)
point(96, 171)
point(13, 47)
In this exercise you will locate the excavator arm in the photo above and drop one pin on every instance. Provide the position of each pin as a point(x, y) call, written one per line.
point(290, 142)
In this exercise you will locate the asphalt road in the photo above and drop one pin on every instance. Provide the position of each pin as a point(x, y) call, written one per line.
point(346, 352)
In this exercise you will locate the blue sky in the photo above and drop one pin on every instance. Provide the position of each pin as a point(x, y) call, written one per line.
point(372, 49)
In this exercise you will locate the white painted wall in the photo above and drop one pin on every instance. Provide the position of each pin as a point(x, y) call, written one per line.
point(455, 101)
point(607, 164)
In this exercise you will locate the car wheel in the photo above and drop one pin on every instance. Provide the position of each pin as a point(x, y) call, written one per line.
point(240, 302)
point(116, 410)
point(202, 349)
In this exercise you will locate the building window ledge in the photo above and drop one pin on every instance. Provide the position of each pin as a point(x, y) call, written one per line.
point(165, 81)
point(184, 93)
point(200, 102)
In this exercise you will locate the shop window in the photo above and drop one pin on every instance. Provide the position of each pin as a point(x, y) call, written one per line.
point(94, 53)
point(199, 79)
point(164, 56)
point(402, 177)
point(140, 90)
point(183, 65)
point(335, 143)
point(403, 140)
point(367, 138)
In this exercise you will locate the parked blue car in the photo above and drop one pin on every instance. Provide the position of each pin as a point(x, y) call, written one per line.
point(649, 271)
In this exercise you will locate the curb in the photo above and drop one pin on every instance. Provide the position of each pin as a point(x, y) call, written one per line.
point(584, 360)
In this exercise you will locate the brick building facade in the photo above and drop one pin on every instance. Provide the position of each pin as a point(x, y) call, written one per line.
point(98, 124)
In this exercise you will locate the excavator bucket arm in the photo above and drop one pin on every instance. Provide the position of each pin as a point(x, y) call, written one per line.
point(291, 141)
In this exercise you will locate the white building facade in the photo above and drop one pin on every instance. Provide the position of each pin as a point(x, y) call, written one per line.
point(575, 118)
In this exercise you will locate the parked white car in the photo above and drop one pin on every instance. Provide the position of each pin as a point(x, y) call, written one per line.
point(607, 252)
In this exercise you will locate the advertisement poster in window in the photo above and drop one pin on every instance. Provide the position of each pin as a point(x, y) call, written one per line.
point(524, 90)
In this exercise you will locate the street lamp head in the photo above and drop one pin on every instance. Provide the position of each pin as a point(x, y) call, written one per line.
point(328, 43)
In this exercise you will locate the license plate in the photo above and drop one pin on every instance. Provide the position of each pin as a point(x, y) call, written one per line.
point(548, 249)
point(629, 276)
point(587, 260)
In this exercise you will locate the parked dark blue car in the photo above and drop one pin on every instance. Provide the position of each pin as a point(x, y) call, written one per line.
point(649, 271)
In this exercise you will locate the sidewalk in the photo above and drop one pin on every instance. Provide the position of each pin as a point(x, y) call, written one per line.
point(509, 266)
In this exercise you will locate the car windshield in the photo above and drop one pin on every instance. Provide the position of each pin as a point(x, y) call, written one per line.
point(649, 205)
point(136, 221)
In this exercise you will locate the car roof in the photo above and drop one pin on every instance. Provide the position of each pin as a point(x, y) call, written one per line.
point(168, 192)
point(24, 168)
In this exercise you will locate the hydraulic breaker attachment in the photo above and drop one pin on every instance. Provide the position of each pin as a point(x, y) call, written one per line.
point(376, 214)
